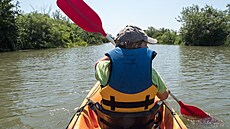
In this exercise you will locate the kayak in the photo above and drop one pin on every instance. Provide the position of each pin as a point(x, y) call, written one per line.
point(86, 118)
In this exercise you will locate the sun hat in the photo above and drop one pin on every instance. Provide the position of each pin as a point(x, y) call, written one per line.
point(132, 34)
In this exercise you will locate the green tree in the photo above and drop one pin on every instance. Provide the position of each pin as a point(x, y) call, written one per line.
point(39, 31)
point(227, 12)
point(35, 31)
point(152, 32)
point(203, 26)
point(8, 26)
point(167, 38)
point(164, 36)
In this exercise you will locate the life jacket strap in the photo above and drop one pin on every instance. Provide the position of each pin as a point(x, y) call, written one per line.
point(128, 120)
point(117, 126)
point(114, 104)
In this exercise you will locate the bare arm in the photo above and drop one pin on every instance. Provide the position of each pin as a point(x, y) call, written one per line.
point(163, 95)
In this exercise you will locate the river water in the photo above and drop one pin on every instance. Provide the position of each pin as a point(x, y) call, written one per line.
point(41, 89)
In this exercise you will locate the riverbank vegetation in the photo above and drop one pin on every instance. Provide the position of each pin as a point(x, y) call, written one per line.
point(35, 30)
point(200, 27)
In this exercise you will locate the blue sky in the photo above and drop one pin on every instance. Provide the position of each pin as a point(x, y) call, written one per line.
point(116, 14)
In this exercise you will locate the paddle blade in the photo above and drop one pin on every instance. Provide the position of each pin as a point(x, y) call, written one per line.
point(193, 111)
point(82, 15)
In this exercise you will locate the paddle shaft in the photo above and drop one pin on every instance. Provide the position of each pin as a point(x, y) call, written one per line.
point(174, 97)
point(110, 39)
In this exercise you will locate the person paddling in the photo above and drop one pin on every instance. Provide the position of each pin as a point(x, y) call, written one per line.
point(129, 83)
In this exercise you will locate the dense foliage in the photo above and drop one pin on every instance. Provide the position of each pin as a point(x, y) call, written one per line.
point(227, 12)
point(164, 36)
point(200, 26)
point(8, 27)
point(39, 30)
point(204, 26)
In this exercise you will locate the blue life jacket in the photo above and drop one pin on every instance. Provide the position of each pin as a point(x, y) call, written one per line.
point(130, 87)
point(131, 70)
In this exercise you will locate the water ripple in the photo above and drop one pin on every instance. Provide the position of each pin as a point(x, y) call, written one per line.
point(42, 88)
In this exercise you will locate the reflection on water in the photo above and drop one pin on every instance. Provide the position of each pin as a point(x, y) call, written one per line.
point(40, 89)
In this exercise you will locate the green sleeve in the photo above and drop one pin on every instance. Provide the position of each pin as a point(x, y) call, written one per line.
point(102, 72)
point(158, 81)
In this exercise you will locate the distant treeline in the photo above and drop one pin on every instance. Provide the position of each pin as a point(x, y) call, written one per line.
point(200, 27)
point(35, 30)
